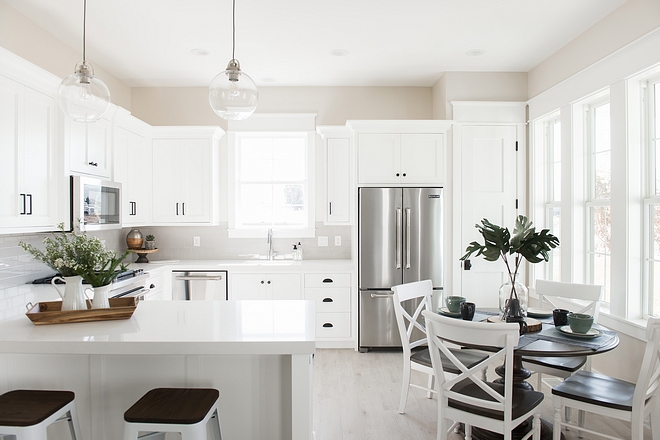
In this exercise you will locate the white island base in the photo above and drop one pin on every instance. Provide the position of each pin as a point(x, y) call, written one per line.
point(257, 353)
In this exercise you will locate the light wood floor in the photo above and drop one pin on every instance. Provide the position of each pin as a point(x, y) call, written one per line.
point(356, 397)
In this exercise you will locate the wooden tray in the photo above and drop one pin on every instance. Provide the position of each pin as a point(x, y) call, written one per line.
point(51, 312)
point(533, 325)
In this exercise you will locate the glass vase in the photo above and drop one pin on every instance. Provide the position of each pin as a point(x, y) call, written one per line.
point(508, 295)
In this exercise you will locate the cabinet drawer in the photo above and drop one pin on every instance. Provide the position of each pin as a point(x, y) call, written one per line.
point(330, 300)
point(327, 280)
point(333, 325)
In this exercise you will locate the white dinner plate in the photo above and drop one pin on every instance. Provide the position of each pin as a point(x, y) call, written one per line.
point(535, 312)
point(592, 333)
point(445, 311)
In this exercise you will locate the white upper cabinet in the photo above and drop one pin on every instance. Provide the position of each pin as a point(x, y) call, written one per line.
point(89, 147)
point(338, 174)
point(28, 160)
point(401, 152)
point(132, 168)
point(185, 175)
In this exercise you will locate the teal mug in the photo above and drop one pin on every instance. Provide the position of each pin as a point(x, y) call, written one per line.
point(454, 303)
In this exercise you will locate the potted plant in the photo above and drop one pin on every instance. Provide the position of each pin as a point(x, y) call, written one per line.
point(526, 244)
point(150, 243)
point(74, 256)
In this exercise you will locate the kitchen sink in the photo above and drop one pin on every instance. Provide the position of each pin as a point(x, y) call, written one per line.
point(266, 262)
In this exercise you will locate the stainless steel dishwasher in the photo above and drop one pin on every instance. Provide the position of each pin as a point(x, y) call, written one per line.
point(199, 285)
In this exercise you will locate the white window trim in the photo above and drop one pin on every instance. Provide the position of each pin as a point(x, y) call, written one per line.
point(278, 232)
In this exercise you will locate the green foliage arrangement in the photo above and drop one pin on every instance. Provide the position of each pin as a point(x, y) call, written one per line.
point(525, 243)
point(150, 237)
point(71, 253)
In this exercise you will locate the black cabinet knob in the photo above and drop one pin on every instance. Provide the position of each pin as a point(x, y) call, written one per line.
point(328, 325)
point(404, 174)
point(397, 174)
point(262, 282)
point(328, 300)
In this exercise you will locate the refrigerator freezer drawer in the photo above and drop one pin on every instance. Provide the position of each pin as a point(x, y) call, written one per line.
point(378, 326)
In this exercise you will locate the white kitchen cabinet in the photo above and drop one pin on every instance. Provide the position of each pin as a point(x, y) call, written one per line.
point(338, 174)
point(28, 160)
point(185, 179)
point(397, 158)
point(332, 293)
point(132, 168)
point(89, 147)
point(247, 286)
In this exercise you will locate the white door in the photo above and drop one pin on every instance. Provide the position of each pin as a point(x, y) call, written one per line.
point(129, 169)
point(284, 286)
point(339, 179)
point(11, 106)
point(98, 148)
point(166, 180)
point(245, 286)
point(488, 190)
point(195, 181)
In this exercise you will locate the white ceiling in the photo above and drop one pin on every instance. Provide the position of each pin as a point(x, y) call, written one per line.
point(148, 43)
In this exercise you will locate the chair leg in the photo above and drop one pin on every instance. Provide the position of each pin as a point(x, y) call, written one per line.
point(581, 416)
point(539, 382)
point(405, 385)
point(655, 422)
point(74, 424)
point(468, 432)
point(429, 394)
point(556, 427)
point(215, 426)
point(536, 426)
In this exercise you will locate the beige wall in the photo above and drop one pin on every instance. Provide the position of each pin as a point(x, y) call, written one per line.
point(333, 105)
point(476, 86)
point(24, 38)
point(627, 23)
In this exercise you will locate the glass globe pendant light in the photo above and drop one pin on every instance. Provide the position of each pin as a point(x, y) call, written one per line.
point(81, 95)
point(232, 94)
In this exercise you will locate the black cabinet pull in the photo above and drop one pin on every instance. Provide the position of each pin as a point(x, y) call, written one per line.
point(328, 325)
point(94, 164)
point(177, 209)
point(152, 286)
point(330, 208)
point(328, 280)
point(467, 265)
point(183, 209)
point(30, 212)
point(328, 300)
point(23, 212)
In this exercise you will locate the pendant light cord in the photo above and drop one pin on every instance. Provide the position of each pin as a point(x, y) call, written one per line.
point(233, 29)
point(84, 28)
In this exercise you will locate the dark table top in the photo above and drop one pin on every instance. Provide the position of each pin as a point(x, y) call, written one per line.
point(550, 342)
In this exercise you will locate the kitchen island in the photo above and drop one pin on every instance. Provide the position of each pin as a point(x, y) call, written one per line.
point(257, 353)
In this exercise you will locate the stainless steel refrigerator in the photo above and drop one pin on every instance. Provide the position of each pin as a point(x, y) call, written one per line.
point(399, 241)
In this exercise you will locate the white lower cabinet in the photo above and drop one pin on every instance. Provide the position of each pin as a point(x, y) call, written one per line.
point(246, 286)
point(155, 284)
point(332, 293)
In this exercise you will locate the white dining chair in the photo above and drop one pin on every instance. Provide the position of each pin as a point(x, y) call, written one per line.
point(584, 298)
point(611, 397)
point(468, 398)
point(410, 300)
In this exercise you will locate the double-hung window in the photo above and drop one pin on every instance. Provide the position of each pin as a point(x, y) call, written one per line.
point(271, 186)
point(552, 141)
point(599, 205)
point(652, 201)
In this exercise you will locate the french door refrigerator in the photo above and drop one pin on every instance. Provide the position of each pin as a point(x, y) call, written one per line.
point(399, 241)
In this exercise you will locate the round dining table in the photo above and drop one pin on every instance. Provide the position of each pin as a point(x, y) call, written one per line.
point(548, 342)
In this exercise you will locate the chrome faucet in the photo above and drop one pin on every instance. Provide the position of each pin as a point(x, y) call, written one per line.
point(271, 254)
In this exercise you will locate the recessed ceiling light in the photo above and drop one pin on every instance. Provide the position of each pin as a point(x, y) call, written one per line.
point(268, 79)
point(199, 52)
point(475, 52)
point(339, 52)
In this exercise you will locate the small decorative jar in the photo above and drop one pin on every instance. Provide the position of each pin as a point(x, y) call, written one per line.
point(134, 239)
point(513, 304)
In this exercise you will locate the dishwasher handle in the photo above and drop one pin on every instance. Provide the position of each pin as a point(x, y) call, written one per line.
point(204, 278)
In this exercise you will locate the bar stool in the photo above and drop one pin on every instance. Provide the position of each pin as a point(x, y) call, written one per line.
point(184, 410)
point(27, 413)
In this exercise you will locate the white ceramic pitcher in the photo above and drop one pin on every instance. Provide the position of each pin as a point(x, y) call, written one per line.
point(73, 296)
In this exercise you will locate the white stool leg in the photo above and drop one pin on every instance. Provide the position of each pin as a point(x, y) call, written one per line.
point(215, 425)
point(193, 432)
point(74, 424)
point(131, 431)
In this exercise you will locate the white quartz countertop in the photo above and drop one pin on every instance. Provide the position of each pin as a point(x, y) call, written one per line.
point(175, 327)
point(249, 265)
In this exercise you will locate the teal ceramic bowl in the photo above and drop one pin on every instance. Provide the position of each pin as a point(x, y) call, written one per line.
point(580, 323)
point(454, 303)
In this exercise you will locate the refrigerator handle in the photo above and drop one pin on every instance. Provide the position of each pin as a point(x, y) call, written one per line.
point(398, 238)
point(407, 238)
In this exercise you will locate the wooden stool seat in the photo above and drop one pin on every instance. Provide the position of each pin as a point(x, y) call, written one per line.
point(27, 413)
point(183, 410)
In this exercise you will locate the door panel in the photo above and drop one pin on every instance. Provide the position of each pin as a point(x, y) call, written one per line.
point(380, 212)
point(422, 235)
point(488, 188)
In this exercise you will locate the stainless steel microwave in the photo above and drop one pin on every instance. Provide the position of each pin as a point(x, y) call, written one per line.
point(96, 203)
